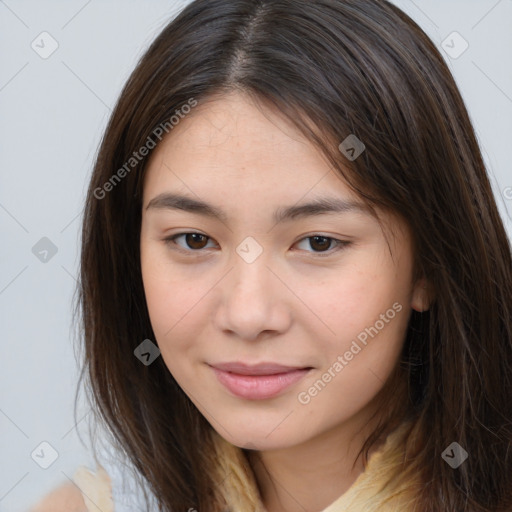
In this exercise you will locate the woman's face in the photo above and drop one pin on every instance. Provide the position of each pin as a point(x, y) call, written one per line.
point(266, 280)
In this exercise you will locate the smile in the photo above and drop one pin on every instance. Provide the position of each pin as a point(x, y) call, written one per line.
point(259, 387)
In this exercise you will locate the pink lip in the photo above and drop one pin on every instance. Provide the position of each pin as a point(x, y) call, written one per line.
point(257, 382)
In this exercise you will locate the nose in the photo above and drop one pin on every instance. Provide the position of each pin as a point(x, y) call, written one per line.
point(253, 301)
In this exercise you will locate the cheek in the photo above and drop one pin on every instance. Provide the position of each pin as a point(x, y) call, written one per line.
point(356, 363)
point(353, 300)
point(171, 309)
point(177, 301)
point(168, 294)
point(364, 314)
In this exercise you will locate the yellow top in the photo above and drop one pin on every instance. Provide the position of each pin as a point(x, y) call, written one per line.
point(367, 494)
point(96, 488)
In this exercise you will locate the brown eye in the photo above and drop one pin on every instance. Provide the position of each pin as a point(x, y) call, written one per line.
point(194, 242)
point(320, 243)
point(323, 245)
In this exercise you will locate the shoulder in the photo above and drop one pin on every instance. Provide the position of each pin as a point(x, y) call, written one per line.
point(66, 498)
point(89, 491)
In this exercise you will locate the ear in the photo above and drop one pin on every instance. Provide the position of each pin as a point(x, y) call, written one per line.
point(421, 295)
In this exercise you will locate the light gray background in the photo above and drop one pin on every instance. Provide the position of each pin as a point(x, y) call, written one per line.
point(53, 112)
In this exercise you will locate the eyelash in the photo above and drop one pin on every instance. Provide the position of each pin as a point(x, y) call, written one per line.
point(341, 244)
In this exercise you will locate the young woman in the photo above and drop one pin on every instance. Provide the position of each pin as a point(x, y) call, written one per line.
point(296, 289)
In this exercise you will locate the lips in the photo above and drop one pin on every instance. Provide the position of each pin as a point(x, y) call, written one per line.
point(257, 369)
point(260, 381)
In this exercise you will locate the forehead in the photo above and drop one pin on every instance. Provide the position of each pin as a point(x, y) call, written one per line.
point(230, 142)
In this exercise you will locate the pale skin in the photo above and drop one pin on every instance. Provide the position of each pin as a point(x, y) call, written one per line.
point(290, 305)
point(66, 498)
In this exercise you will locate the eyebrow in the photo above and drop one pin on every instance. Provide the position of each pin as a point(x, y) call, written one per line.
point(319, 206)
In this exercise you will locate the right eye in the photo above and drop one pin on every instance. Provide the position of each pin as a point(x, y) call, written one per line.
point(195, 241)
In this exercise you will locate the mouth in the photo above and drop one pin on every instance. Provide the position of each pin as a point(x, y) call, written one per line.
point(258, 382)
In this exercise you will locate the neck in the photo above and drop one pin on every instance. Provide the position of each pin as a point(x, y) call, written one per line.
point(312, 475)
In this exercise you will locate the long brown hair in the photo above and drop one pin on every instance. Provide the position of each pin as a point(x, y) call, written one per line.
point(333, 68)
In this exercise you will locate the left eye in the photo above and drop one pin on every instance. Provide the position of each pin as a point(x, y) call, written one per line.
point(196, 242)
point(320, 242)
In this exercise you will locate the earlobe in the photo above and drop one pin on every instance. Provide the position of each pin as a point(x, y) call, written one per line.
point(421, 295)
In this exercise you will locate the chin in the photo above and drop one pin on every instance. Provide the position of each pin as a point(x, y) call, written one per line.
point(262, 439)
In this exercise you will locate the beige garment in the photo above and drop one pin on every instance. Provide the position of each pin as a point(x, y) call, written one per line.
point(373, 490)
point(96, 488)
point(367, 494)
point(382, 486)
